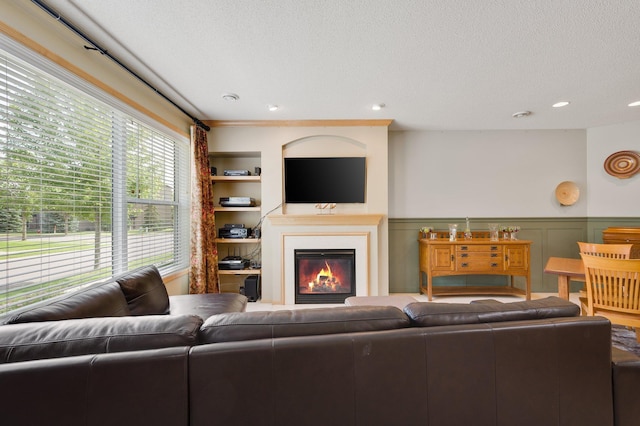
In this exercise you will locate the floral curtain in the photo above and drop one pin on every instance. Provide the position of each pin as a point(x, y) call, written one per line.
point(203, 276)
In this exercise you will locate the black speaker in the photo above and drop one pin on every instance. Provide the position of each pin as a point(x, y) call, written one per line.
point(214, 171)
point(252, 288)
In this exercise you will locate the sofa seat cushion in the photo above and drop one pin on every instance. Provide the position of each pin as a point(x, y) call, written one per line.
point(101, 300)
point(145, 291)
point(56, 339)
point(429, 314)
point(301, 322)
point(205, 305)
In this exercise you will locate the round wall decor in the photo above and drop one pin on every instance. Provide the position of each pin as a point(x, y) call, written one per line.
point(567, 193)
point(622, 164)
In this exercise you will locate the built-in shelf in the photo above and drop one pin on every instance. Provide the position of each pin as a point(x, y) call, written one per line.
point(239, 271)
point(237, 209)
point(235, 178)
point(238, 240)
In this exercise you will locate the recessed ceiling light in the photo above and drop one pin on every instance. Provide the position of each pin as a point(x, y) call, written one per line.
point(521, 114)
point(377, 107)
point(230, 97)
point(561, 104)
point(636, 103)
point(273, 107)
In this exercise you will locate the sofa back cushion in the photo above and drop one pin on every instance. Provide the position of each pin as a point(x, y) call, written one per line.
point(145, 291)
point(429, 314)
point(102, 300)
point(300, 322)
point(56, 339)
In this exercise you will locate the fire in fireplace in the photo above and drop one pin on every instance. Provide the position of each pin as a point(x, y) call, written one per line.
point(324, 276)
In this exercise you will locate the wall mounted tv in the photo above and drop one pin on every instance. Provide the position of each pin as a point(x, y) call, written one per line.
point(324, 180)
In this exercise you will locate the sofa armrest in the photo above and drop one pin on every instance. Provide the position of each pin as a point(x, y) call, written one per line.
point(626, 387)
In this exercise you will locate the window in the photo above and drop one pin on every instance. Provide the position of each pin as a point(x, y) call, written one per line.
point(88, 188)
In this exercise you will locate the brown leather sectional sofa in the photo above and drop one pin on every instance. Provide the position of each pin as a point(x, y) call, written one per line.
point(524, 363)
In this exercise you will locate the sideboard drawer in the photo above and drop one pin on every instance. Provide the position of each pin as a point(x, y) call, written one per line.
point(479, 261)
point(473, 248)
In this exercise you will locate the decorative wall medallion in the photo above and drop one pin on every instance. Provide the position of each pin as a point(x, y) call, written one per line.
point(567, 193)
point(622, 164)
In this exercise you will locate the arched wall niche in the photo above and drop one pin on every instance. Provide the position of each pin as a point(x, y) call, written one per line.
point(324, 146)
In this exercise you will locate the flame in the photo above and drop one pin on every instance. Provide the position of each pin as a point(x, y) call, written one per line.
point(326, 274)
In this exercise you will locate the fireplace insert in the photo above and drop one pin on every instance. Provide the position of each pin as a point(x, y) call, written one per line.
point(324, 275)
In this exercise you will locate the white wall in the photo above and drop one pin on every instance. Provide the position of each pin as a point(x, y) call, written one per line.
point(485, 173)
point(610, 196)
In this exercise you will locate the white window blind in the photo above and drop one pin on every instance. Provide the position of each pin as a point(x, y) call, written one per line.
point(87, 191)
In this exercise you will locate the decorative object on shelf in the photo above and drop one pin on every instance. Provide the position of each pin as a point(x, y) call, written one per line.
point(622, 164)
point(514, 232)
point(326, 207)
point(467, 230)
point(428, 231)
point(567, 193)
point(510, 232)
point(493, 231)
point(453, 230)
point(505, 233)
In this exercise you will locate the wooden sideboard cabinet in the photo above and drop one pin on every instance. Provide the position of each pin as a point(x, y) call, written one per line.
point(618, 235)
point(478, 256)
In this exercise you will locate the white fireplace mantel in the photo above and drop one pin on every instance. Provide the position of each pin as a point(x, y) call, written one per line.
point(326, 219)
point(292, 231)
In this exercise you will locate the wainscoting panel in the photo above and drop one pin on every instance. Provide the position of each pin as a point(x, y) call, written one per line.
point(550, 237)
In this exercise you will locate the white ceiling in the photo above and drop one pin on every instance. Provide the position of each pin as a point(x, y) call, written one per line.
point(435, 64)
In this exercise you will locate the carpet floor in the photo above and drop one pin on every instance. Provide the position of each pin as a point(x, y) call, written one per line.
point(624, 338)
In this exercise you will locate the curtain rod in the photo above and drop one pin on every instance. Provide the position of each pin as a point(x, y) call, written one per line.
point(95, 46)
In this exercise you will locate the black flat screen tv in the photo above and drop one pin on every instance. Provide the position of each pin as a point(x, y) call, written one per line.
point(324, 179)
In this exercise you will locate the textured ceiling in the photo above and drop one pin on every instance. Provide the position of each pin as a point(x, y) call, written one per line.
point(435, 64)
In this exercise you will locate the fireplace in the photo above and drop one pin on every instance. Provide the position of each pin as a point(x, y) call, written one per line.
point(324, 275)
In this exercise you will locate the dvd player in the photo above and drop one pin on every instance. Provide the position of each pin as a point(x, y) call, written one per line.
point(237, 202)
point(237, 173)
point(233, 232)
point(233, 263)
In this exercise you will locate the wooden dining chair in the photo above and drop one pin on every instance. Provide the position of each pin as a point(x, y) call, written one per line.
point(613, 290)
point(616, 251)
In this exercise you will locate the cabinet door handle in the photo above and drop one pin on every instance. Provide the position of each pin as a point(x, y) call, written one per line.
point(506, 258)
point(494, 248)
point(464, 265)
point(464, 248)
point(453, 258)
point(464, 255)
point(494, 254)
point(494, 265)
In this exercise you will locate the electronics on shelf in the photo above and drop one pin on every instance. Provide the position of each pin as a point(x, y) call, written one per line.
point(233, 263)
point(237, 173)
point(237, 202)
point(233, 230)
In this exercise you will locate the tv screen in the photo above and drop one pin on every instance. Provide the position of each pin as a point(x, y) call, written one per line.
point(324, 180)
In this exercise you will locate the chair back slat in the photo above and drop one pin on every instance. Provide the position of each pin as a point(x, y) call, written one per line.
point(613, 286)
point(616, 251)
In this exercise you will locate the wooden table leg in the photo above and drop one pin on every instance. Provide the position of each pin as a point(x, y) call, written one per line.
point(563, 286)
